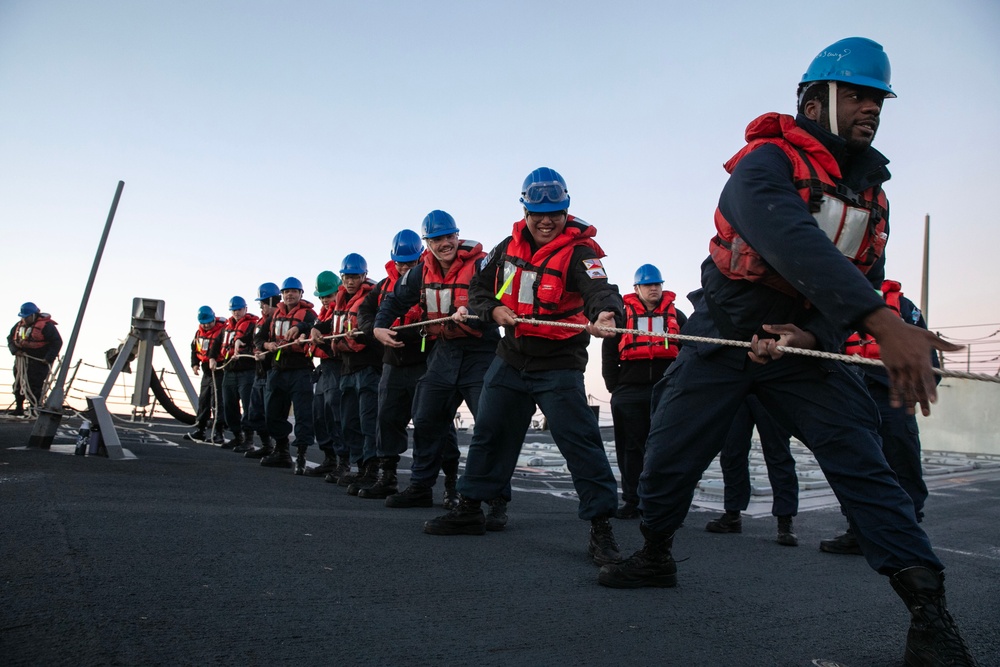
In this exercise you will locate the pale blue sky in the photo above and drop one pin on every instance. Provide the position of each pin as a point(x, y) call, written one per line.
point(259, 140)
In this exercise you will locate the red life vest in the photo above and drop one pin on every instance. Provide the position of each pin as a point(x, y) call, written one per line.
point(282, 320)
point(442, 295)
point(416, 312)
point(854, 222)
point(235, 330)
point(203, 340)
point(29, 336)
point(536, 281)
point(345, 317)
point(864, 344)
point(662, 319)
point(325, 315)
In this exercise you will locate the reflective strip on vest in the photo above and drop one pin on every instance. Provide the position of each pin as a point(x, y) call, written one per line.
point(526, 288)
point(651, 324)
point(438, 300)
point(845, 225)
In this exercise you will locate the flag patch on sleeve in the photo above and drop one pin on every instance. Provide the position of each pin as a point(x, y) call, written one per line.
point(594, 268)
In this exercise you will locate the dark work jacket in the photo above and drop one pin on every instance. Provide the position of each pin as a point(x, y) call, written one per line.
point(762, 204)
point(48, 352)
point(407, 294)
point(260, 335)
point(411, 355)
point(533, 353)
point(634, 371)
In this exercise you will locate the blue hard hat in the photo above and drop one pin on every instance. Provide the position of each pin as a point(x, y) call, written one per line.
point(437, 223)
point(406, 246)
point(28, 309)
point(291, 283)
point(266, 291)
point(237, 302)
point(353, 265)
point(855, 60)
point(647, 274)
point(544, 191)
point(206, 315)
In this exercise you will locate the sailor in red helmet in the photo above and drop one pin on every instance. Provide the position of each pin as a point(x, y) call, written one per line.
point(35, 343)
point(631, 364)
point(801, 229)
point(549, 269)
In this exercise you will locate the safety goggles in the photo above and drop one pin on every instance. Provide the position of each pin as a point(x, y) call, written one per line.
point(540, 193)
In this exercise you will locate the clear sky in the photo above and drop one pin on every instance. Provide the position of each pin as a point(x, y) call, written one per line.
point(259, 140)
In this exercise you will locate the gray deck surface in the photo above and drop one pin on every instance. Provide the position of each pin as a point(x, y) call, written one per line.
point(192, 555)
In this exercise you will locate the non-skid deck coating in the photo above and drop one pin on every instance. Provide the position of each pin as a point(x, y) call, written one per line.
point(192, 555)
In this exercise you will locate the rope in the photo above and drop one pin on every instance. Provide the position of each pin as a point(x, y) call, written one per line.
point(817, 354)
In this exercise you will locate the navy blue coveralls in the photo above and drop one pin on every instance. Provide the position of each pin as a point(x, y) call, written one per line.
point(255, 419)
point(237, 380)
point(326, 405)
point(290, 385)
point(455, 370)
point(631, 385)
point(774, 443)
point(823, 403)
point(899, 431)
point(402, 368)
point(210, 391)
point(531, 372)
point(40, 361)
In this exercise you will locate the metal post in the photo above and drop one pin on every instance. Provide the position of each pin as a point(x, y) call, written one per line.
point(49, 416)
point(924, 283)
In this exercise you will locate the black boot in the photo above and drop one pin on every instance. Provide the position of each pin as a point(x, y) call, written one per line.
point(786, 536)
point(328, 465)
point(451, 499)
point(730, 522)
point(652, 565)
point(197, 435)
point(933, 639)
point(349, 477)
point(246, 445)
point(628, 511)
point(842, 544)
point(496, 518)
point(234, 442)
point(266, 447)
point(369, 473)
point(279, 458)
point(385, 482)
point(412, 496)
point(342, 468)
point(603, 548)
point(300, 460)
point(466, 519)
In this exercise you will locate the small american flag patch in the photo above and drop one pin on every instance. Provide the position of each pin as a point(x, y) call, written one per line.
point(594, 268)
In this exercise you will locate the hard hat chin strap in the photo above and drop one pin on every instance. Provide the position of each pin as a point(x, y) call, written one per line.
point(832, 85)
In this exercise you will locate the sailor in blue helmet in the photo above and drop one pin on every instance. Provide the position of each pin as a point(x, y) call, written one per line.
point(35, 343)
point(439, 285)
point(801, 227)
point(549, 269)
point(238, 374)
point(402, 368)
point(268, 295)
point(206, 352)
point(631, 364)
point(289, 382)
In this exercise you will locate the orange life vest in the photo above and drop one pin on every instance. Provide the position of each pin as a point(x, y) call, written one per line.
point(320, 351)
point(235, 330)
point(534, 283)
point(203, 340)
point(662, 319)
point(442, 295)
point(864, 344)
point(854, 222)
point(282, 321)
point(416, 312)
point(29, 336)
point(345, 317)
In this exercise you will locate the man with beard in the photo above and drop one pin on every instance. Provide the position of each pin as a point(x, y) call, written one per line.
point(801, 229)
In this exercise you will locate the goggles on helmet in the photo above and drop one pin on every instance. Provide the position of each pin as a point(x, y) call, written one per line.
point(539, 193)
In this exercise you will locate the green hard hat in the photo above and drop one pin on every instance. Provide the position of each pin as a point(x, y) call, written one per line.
point(326, 283)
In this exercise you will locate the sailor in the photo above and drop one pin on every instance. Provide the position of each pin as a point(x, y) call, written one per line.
point(238, 372)
point(801, 229)
point(631, 365)
point(268, 295)
point(206, 352)
point(549, 269)
point(455, 366)
point(35, 343)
